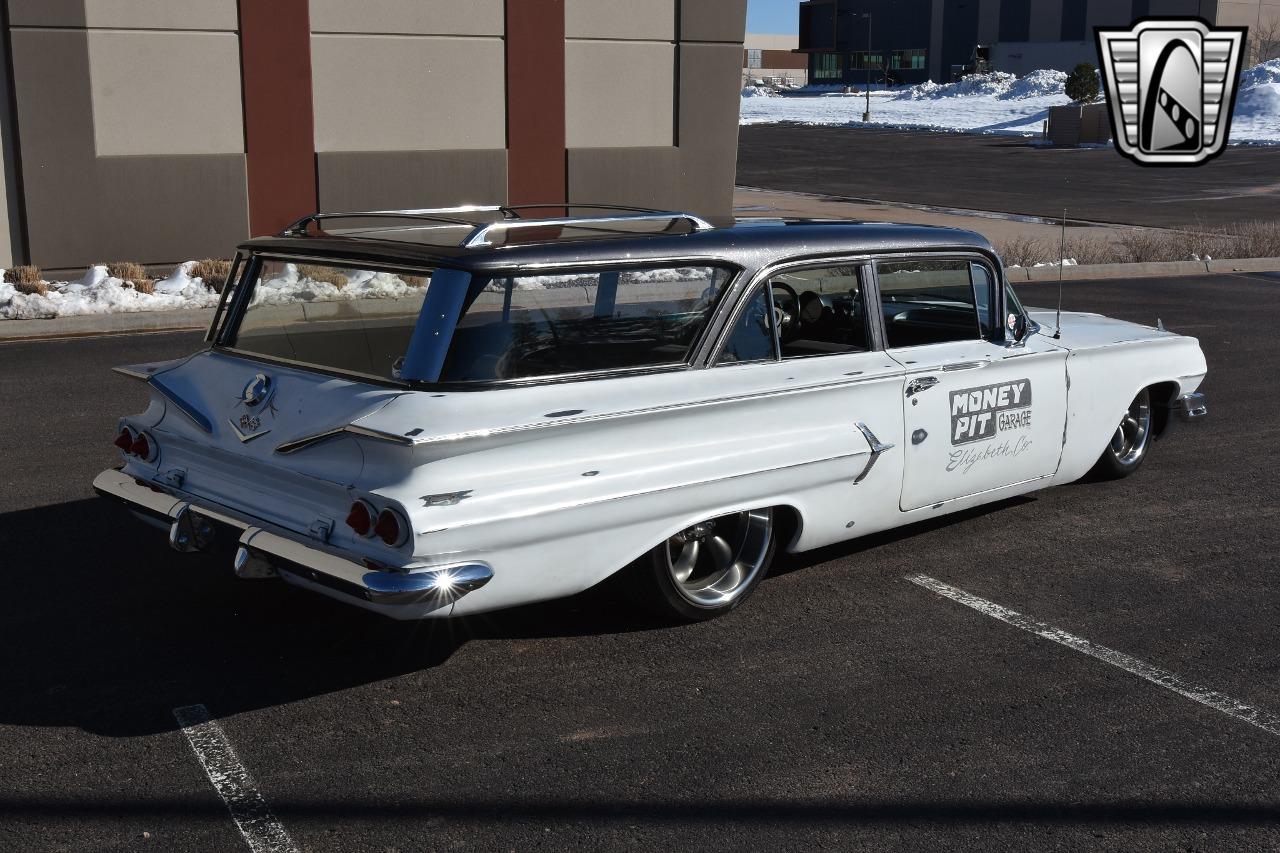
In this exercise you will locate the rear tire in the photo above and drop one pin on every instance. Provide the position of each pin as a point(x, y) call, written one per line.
point(1130, 442)
point(707, 570)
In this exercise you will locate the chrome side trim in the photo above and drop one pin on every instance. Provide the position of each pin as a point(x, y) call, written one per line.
point(294, 445)
point(197, 417)
point(877, 448)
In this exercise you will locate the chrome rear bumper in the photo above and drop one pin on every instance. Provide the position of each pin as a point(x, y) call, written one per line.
point(261, 552)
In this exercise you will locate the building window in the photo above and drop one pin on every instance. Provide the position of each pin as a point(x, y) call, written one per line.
point(908, 60)
point(826, 66)
point(862, 60)
point(755, 58)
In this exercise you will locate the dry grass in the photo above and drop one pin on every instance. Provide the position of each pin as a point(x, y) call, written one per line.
point(31, 287)
point(144, 285)
point(1022, 252)
point(126, 270)
point(1254, 239)
point(23, 275)
point(325, 274)
point(213, 271)
point(414, 280)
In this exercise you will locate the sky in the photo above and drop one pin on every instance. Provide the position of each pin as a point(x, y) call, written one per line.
point(773, 16)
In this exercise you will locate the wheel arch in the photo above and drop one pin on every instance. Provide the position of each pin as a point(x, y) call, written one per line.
point(1164, 397)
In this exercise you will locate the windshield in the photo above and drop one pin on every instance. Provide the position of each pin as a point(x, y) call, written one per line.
point(362, 321)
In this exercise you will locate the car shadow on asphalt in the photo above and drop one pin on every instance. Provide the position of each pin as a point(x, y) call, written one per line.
point(103, 627)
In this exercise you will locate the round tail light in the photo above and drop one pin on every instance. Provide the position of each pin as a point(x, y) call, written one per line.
point(124, 440)
point(392, 528)
point(360, 519)
point(141, 447)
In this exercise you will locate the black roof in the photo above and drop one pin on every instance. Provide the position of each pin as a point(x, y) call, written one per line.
point(749, 243)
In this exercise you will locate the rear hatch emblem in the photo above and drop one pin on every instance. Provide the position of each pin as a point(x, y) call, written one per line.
point(255, 402)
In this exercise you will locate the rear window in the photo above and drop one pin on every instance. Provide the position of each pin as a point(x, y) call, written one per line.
point(349, 320)
point(545, 325)
point(361, 321)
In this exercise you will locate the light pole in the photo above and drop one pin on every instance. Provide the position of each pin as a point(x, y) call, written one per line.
point(866, 116)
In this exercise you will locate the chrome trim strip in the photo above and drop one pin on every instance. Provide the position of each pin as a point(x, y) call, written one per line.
point(197, 417)
point(479, 238)
point(364, 432)
point(877, 448)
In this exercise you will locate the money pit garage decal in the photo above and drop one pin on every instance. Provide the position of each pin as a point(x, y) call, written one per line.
point(990, 413)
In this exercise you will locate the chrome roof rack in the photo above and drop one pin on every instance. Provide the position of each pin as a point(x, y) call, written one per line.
point(512, 217)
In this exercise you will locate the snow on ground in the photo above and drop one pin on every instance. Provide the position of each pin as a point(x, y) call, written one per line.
point(996, 103)
point(99, 293)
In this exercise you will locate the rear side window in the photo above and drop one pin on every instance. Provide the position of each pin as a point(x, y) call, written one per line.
point(337, 318)
point(546, 325)
point(932, 301)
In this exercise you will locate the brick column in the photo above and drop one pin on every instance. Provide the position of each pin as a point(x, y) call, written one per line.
point(535, 101)
point(279, 125)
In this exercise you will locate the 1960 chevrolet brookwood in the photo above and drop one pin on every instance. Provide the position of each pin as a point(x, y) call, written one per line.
point(446, 412)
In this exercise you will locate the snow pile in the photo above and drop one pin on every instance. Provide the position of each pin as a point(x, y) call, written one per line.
point(1260, 92)
point(1038, 84)
point(291, 286)
point(756, 92)
point(1000, 103)
point(99, 293)
point(994, 83)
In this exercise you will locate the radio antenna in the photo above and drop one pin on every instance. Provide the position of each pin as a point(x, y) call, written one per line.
point(1062, 264)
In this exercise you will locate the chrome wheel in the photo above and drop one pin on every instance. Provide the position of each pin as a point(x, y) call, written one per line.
point(714, 562)
point(1129, 443)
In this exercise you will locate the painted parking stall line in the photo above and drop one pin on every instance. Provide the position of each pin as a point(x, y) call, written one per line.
point(259, 827)
point(1221, 702)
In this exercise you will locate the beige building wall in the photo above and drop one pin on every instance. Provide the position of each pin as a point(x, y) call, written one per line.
point(129, 128)
point(130, 121)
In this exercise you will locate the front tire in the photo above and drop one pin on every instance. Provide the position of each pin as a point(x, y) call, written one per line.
point(1130, 442)
point(707, 570)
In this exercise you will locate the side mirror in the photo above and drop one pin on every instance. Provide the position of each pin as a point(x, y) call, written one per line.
point(1019, 328)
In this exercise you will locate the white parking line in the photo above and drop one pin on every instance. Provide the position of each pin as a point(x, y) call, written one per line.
point(253, 817)
point(1268, 722)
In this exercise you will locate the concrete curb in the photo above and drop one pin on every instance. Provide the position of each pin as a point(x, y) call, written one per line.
point(105, 324)
point(1170, 268)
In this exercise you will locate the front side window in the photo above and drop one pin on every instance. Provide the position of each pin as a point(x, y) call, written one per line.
point(932, 301)
point(334, 317)
point(821, 311)
point(525, 326)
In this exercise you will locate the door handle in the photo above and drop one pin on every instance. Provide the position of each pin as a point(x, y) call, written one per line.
point(924, 383)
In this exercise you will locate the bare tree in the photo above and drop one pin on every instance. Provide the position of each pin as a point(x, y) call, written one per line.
point(1264, 40)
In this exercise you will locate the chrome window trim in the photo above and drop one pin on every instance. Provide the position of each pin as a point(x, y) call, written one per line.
point(228, 287)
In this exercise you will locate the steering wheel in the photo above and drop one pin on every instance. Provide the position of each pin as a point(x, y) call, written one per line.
point(786, 311)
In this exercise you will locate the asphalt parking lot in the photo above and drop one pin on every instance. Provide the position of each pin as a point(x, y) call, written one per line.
point(1001, 173)
point(844, 707)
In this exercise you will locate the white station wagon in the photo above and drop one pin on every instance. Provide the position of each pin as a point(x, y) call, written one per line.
point(446, 412)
